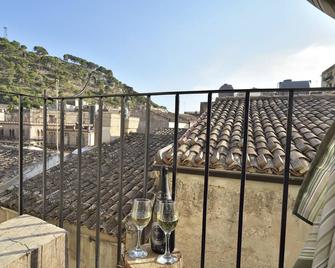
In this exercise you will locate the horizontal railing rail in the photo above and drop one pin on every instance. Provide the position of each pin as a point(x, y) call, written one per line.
point(100, 98)
point(174, 92)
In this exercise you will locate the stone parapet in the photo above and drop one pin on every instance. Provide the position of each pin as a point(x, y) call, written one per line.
point(30, 242)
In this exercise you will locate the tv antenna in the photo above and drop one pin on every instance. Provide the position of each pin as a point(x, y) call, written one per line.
point(5, 32)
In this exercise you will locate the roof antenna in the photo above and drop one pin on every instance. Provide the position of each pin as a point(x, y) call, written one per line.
point(5, 32)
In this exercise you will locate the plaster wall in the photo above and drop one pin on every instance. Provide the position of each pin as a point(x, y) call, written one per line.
point(261, 229)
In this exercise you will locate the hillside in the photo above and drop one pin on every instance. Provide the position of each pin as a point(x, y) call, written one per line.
point(32, 72)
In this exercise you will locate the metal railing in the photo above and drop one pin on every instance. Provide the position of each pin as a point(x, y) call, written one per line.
point(176, 94)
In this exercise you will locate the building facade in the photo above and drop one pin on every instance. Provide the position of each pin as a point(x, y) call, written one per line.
point(33, 127)
point(328, 77)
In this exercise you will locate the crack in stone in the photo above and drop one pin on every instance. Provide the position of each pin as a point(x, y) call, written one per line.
point(19, 242)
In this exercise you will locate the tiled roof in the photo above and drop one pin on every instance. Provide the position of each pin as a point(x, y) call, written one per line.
point(312, 117)
point(133, 182)
point(9, 159)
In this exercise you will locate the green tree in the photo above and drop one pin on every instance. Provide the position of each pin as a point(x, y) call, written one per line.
point(41, 51)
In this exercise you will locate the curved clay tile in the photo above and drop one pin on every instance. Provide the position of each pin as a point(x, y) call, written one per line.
point(260, 139)
point(278, 163)
point(199, 160)
point(223, 143)
point(196, 148)
point(317, 131)
point(265, 152)
point(235, 138)
point(236, 150)
point(314, 142)
point(183, 148)
point(299, 166)
point(260, 145)
point(202, 136)
point(261, 161)
point(168, 156)
point(251, 151)
point(215, 158)
point(223, 150)
point(189, 160)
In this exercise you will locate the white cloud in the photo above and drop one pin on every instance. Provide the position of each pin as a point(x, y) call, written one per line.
point(265, 71)
point(268, 70)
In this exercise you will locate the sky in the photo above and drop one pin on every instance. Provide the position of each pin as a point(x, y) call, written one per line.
point(182, 45)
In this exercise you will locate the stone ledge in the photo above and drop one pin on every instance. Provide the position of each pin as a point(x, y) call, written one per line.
point(150, 261)
point(26, 241)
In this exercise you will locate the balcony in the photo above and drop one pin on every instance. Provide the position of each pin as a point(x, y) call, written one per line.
point(229, 174)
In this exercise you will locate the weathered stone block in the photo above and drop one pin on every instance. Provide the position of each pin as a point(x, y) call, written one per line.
point(30, 242)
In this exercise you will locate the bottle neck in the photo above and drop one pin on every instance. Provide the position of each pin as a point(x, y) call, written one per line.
point(164, 191)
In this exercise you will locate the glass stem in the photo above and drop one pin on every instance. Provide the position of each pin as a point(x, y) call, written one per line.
point(139, 235)
point(167, 244)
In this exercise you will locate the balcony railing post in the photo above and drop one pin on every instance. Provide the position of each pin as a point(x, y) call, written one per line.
point(175, 145)
point(122, 140)
point(204, 210)
point(146, 145)
point(97, 232)
point(79, 208)
point(243, 178)
point(20, 203)
point(61, 164)
point(44, 182)
point(286, 179)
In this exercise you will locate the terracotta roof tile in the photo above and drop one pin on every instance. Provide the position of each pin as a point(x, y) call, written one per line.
point(312, 117)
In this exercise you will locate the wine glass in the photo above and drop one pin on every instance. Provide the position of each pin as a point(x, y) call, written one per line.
point(167, 218)
point(140, 215)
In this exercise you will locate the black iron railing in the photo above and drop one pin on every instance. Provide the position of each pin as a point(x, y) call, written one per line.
point(148, 96)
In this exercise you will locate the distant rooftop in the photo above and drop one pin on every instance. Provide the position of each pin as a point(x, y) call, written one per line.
point(288, 83)
point(133, 182)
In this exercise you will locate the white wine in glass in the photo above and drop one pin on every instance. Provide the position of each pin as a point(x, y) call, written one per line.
point(167, 225)
point(167, 219)
point(140, 215)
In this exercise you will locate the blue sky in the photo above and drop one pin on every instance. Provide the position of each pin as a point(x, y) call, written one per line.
point(182, 45)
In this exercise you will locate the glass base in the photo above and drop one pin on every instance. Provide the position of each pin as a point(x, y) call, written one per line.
point(164, 259)
point(137, 253)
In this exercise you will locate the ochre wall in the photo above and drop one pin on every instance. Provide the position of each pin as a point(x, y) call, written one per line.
point(261, 232)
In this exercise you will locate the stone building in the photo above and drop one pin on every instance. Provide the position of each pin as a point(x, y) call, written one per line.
point(312, 117)
point(133, 179)
point(33, 127)
point(328, 77)
point(33, 124)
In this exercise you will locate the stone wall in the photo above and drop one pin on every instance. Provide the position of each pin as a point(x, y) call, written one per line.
point(108, 244)
point(261, 232)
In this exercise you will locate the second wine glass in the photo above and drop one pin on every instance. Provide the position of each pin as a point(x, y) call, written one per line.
point(140, 215)
point(167, 218)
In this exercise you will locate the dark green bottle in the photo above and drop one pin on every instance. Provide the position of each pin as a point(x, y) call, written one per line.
point(157, 238)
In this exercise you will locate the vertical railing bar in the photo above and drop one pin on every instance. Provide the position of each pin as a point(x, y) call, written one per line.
point(146, 145)
point(44, 180)
point(204, 211)
point(20, 203)
point(80, 126)
point(97, 231)
point(175, 145)
point(243, 178)
point(61, 163)
point(119, 245)
point(286, 179)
